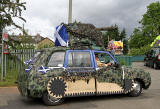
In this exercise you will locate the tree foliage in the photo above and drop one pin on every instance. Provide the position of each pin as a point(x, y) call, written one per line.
point(150, 27)
point(138, 39)
point(125, 47)
point(10, 9)
point(139, 51)
point(117, 35)
point(114, 34)
point(151, 20)
point(147, 32)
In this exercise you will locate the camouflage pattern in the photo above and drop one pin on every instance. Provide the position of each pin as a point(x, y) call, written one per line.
point(133, 73)
point(34, 83)
point(81, 36)
point(84, 34)
point(115, 75)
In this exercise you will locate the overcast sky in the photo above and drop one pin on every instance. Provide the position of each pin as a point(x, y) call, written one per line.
point(44, 15)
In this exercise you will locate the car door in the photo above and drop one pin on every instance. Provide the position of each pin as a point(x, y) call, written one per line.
point(110, 78)
point(81, 73)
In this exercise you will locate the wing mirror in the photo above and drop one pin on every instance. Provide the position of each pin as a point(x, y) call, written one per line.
point(60, 65)
point(117, 65)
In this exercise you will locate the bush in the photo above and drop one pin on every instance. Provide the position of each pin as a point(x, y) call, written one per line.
point(122, 62)
point(139, 51)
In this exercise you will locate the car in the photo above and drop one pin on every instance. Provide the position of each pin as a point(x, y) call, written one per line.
point(152, 58)
point(57, 73)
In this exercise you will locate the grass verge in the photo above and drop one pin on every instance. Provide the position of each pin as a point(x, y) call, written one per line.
point(10, 79)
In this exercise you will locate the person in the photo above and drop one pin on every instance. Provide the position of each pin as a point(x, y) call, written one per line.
point(100, 64)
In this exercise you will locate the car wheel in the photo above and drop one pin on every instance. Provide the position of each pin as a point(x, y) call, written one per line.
point(51, 101)
point(155, 66)
point(137, 89)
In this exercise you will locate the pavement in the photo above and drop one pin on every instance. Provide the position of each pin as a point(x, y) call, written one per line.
point(150, 99)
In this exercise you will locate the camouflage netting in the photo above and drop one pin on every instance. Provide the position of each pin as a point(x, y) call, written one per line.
point(80, 33)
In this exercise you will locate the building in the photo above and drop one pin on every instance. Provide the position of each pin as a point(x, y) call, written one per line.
point(45, 43)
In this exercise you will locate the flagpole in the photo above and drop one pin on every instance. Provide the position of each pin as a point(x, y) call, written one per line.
point(70, 12)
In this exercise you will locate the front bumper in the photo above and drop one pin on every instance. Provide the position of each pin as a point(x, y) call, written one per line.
point(147, 86)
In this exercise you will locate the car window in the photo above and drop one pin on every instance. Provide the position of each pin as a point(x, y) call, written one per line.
point(103, 59)
point(56, 59)
point(79, 59)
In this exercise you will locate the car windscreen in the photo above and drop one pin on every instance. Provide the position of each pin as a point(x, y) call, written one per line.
point(56, 59)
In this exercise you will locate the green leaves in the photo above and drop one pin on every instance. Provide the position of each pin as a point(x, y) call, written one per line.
point(139, 51)
point(150, 28)
point(151, 19)
point(10, 9)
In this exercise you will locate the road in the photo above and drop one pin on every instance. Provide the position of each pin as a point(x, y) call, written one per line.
point(150, 99)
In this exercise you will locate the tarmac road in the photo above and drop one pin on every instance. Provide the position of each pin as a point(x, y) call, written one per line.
point(150, 99)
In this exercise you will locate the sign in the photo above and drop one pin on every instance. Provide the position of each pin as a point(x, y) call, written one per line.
point(116, 47)
point(5, 49)
point(5, 37)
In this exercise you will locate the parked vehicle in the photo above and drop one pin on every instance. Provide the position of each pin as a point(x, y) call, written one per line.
point(57, 73)
point(152, 58)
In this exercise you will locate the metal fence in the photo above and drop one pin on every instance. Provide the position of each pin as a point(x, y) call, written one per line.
point(127, 60)
point(14, 61)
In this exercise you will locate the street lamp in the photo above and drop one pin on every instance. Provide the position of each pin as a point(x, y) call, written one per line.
point(70, 12)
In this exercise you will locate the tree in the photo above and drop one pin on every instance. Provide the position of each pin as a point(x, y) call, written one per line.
point(122, 34)
point(10, 9)
point(125, 41)
point(149, 29)
point(125, 47)
point(151, 20)
point(117, 35)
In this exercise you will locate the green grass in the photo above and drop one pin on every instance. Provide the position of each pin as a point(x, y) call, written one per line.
point(10, 79)
point(13, 68)
point(11, 74)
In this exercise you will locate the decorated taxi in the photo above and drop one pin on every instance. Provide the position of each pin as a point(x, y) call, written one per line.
point(57, 73)
point(79, 69)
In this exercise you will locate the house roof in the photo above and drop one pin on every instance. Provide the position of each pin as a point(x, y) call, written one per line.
point(29, 39)
point(44, 39)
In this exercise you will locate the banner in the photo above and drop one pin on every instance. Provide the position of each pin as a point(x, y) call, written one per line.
point(5, 37)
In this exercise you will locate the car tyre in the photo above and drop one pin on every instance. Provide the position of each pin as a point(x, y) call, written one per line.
point(137, 89)
point(51, 101)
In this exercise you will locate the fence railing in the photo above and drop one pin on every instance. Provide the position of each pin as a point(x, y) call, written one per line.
point(127, 60)
point(13, 62)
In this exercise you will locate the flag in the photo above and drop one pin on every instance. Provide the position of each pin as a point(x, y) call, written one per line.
point(28, 69)
point(44, 70)
point(61, 36)
point(28, 61)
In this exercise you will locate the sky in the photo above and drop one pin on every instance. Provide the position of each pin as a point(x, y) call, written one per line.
point(43, 16)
